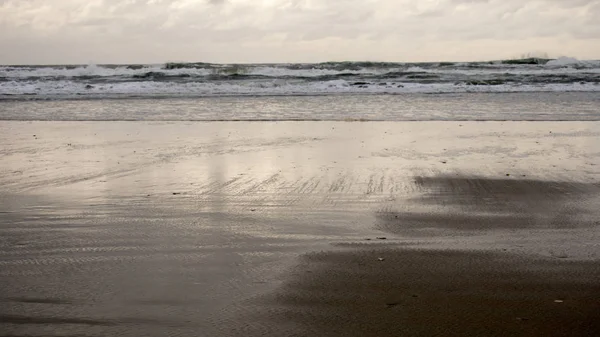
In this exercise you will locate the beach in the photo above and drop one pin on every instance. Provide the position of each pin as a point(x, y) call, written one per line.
point(299, 228)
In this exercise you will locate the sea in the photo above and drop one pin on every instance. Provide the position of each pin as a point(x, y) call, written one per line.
point(523, 89)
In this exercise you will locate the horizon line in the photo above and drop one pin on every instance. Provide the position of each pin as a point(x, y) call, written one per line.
point(279, 63)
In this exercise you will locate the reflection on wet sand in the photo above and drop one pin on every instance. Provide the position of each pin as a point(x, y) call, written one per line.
point(195, 229)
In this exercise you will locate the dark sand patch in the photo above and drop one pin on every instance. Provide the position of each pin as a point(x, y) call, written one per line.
point(475, 203)
point(435, 293)
point(18, 319)
point(502, 188)
point(369, 243)
point(40, 300)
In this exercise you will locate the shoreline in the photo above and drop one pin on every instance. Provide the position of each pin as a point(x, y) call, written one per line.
point(467, 106)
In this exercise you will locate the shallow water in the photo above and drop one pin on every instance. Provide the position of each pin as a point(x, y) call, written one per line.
point(562, 106)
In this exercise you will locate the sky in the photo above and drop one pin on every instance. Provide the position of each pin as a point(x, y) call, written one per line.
point(254, 31)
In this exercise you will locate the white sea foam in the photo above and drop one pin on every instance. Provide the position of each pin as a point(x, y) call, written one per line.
point(90, 70)
point(572, 62)
point(296, 79)
point(548, 69)
point(563, 61)
point(559, 66)
point(100, 71)
point(311, 72)
point(46, 89)
point(94, 70)
point(418, 70)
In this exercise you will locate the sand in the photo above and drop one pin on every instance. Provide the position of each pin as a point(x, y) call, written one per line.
point(299, 228)
point(401, 292)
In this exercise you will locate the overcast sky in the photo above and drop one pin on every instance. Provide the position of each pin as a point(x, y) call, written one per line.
point(226, 31)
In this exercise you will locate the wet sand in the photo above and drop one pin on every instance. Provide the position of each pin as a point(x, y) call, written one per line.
point(271, 229)
point(411, 292)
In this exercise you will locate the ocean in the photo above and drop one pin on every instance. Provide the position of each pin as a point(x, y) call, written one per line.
point(529, 89)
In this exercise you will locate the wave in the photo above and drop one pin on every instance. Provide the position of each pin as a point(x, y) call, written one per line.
point(71, 89)
point(521, 66)
point(571, 62)
point(105, 71)
point(528, 60)
point(205, 79)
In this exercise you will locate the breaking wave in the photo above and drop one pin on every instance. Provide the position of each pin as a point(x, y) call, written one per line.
point(206, 79)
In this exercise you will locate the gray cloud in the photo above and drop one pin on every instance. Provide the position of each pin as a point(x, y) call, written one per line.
point(38, 31)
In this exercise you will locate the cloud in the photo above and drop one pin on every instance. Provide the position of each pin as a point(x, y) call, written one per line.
point(38, 31)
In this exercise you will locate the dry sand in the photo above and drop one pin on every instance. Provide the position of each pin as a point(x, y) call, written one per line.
point(271, 229)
